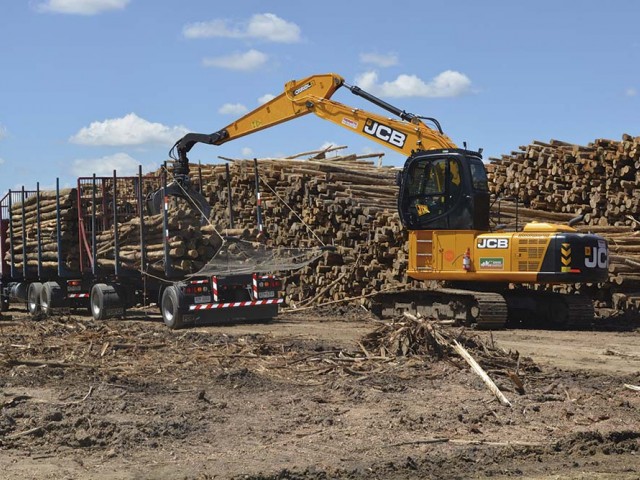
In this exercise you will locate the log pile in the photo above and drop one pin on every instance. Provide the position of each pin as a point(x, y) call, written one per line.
point(190, 244)
point(345, 201)
point(349, 202)
point(600, 180)
point(556, 181)
point(25, 241)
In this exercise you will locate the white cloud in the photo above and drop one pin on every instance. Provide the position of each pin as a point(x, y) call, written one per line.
point(629, 92)
point(1, 160)
point(247, 61)
point(81, 7)
point(267, 97)
point(128, 130)
point(379, 60)
point(3, 132)
point(123, 163)
point(247, 152)
point(265, 26)
point(447, 84)
point(232, 109)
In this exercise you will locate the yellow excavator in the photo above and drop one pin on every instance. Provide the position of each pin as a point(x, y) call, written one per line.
point(444, 203)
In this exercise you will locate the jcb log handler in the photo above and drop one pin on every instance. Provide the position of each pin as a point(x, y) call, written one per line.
point(444, 203)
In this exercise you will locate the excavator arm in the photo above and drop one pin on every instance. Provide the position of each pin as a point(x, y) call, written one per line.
point(313, 95)
point(406, 134)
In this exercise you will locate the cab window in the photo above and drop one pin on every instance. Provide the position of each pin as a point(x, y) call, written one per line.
point(433, 186)
point(479, 177)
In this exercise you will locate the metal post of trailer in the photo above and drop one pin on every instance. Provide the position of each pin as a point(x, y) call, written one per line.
point(94, 247)
point(258, 199)
point(229, 195)
point(11, 249)
point(143, 252)
point(199, 176)
point(165, 223)
point(116, 247)
point(58, 227)
point(38, 230)
point(24, 237)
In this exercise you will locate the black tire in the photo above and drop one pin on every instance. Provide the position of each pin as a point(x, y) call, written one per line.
point(33, 298)
point(50, 297)
point(104, 302)
point(19, 292)
point(169, 306)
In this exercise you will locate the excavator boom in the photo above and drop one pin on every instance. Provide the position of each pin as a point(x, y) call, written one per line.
point(313, 95)
point(406, 134)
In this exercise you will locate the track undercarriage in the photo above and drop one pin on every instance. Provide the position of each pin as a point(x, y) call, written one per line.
point(489, 309)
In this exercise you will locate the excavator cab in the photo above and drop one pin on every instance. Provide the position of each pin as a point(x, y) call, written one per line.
point(444, 190)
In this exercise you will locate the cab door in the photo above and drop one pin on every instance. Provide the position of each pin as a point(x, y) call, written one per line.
point(440, 191)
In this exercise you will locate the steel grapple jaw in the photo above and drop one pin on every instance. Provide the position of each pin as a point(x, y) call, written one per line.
point(181, 187)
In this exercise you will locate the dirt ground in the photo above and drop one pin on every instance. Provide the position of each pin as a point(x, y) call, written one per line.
point(304, 398)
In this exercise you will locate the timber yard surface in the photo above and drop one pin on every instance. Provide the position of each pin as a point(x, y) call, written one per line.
point(315, 394)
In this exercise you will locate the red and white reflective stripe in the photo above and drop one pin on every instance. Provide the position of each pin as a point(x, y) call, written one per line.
point(78, 295)
point(211, 306)
point(214, 288)
point(197, 282)
point(255, 286)
point(259, 204)
point(166, 209)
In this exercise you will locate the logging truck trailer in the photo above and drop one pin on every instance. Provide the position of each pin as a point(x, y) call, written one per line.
point(93, 275)
point(30, 276)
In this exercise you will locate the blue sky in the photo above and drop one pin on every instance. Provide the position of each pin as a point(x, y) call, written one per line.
point(91, 85)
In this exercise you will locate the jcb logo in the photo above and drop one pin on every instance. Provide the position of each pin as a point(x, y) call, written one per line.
point(493, 243)
point(301, 89)
point(384, 133)
point(596, 257)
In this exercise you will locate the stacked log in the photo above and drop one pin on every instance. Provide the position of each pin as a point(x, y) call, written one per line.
point(189, 245)
point(600, 180)
point(344, 201)
point(25, 240)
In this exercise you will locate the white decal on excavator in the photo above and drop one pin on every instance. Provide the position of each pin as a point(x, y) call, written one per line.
point(350, 123)
point(493, 242)
point(596, 257)
point(301, 89)
point(384, 133)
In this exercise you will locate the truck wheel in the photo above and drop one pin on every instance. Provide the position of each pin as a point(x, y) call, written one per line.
point(33, 298)
point(169, 307)
point(104, 302)
point(50, 297)
point(18, 292)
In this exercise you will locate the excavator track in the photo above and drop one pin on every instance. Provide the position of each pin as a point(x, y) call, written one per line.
point(484, 310)
point(580, 311)
point(489, 310)
point(543, 309)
